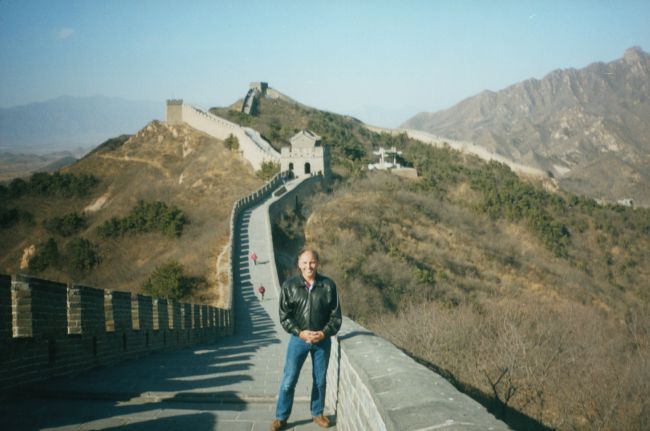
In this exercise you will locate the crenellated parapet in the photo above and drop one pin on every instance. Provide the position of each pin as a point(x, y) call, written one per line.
point(49, 329)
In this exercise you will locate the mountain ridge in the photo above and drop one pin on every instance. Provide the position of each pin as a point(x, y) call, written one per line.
point(564, 123)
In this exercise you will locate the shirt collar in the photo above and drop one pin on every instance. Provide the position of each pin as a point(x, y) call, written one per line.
point(309, 286)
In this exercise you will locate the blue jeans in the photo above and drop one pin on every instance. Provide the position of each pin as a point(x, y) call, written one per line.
point(296, 355)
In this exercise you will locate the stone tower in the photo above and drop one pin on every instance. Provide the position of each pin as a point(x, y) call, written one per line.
point(174, 111)
point(306, 156)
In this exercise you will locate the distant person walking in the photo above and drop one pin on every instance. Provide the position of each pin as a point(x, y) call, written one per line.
point(261, 290)
point(310, 312)
point(254, 258)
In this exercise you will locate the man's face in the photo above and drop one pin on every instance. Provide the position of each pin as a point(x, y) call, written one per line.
point(307, 264)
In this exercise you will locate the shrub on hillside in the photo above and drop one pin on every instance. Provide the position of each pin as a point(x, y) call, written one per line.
point(81, 256)
point(238, 117)
point(46, 255)
point(58, 184)
point(341, 135)
point(503, 195)
point(507, 196)
point(16, 188)
point(276, 129)
point(231, 142)
point(577, 371)
point(146, 217)
point(45, 184)
point(12, 216)
point(66, 225)
point(169, 281)
point(268, 170)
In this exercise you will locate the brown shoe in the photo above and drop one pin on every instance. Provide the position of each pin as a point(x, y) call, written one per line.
point(321, 421)
point(277, 425)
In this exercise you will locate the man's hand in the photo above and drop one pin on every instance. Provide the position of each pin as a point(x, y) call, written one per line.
point(312, 337)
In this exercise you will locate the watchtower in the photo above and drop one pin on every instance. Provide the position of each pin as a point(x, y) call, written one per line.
point(306, 156)
point(174, 111)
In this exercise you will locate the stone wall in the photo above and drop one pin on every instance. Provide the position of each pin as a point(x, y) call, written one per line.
point(254, 148)
point(287, 200)
point(290, 199)
point(48, 329)
point(371, 385)
point(249, 106)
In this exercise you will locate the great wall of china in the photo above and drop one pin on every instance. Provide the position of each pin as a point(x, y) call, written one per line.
point(48, 329)
point(253, 147)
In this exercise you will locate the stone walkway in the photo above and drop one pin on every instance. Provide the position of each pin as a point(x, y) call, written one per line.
point(230, 385)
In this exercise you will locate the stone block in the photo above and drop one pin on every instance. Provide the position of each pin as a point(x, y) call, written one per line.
point(86, 312)
point(162, 313)
point(174, 314)
point(196, 316)
point(39, 307)
point(186, 316)
point(135, 311)
point(210, 317)
point(5, 308)
point(109, 314)
point(145, 311)
point(204, 316)
point(155, 315)
point(122, 309)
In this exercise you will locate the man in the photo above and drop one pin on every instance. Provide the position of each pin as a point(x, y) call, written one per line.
point(310, 312)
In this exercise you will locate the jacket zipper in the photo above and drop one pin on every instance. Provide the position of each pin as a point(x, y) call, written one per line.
point(309, 301)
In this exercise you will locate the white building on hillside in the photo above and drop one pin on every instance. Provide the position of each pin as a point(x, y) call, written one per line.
point(306, 156)
point(385, 154)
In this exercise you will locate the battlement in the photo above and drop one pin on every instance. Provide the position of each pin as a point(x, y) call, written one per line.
point(260, 86)
point(49, 329)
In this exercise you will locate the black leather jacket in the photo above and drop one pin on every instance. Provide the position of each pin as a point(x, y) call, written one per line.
point(318, 310)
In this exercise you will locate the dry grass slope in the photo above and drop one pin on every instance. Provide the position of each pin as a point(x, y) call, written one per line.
point(486, 303)
point(173, 164)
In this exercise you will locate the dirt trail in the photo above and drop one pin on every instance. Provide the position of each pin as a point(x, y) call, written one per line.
point(151, 163)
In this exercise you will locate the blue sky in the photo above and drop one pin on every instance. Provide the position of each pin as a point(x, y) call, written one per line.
point(382, 61)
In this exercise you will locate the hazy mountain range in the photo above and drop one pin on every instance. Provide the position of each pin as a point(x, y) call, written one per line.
point(589, 127)
point(66, 122)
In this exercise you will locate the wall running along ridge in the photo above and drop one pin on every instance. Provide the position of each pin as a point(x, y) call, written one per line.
point(238, 209)
point(254, 148)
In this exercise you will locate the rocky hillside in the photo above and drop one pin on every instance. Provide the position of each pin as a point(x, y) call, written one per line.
point(590, 128)
point(175, 165)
